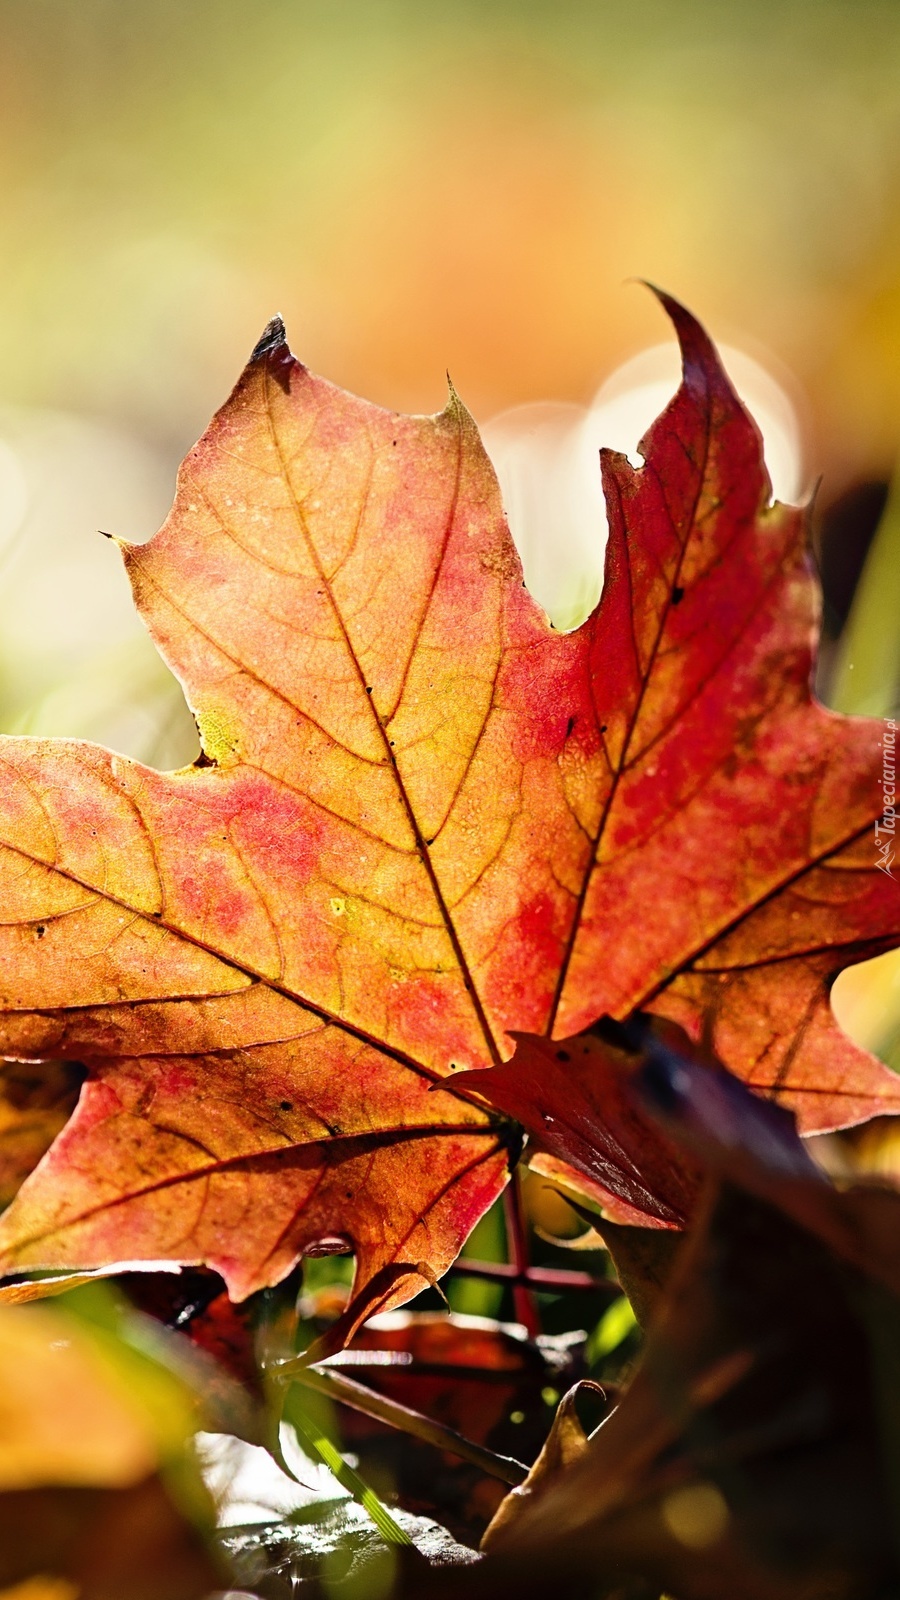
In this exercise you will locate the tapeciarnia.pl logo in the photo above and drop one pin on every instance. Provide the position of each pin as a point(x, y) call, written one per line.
point(886, 827)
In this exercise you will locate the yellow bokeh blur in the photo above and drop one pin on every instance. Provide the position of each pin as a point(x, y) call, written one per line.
point(417, 186)
point(42, 1589)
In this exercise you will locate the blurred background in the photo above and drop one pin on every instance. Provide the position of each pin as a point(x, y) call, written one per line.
point(417, 187)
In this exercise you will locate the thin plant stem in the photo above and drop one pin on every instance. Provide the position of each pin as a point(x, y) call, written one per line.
point(524, 1303)
point(551, 1279)
point(337, 1386)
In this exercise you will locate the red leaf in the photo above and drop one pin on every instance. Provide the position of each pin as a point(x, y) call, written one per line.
point(735, 869)
point(578, 1103)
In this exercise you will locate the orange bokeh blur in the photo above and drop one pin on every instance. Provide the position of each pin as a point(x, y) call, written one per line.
point(419, 187)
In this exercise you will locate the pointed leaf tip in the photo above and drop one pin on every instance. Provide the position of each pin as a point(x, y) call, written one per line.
point(698, 353)
point(123, 544)
point(271, 339)
point(457, 408)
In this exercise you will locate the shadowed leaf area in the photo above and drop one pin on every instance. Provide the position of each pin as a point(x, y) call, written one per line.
point(482, 1379)
point(421, 821)
point(754, 1452)
point(36, 1101)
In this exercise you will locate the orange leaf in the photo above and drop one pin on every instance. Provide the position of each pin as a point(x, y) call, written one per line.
point(421, 820)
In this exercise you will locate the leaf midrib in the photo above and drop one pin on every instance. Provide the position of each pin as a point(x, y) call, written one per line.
point(420, 842)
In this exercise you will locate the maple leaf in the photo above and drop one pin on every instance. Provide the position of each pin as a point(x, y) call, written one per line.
point(421, 820)
point(734, 867)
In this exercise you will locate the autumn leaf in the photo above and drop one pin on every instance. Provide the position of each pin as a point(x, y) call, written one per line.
point(565, 1445)
point(421, 820)
point(97, 1485)
point(163, 928)
point(735, 868)
point(742, 1139)
point(695, 1118)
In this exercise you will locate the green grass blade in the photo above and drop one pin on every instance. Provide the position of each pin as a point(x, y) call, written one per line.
point(866, 680)
point(312, 1435)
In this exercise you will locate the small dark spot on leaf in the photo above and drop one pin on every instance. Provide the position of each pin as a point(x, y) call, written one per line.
point(563, 1055)
point(677, 594)
point(203, 760)
point(368, 688)
point(40, 930)
point(569, 726)
point(604, 726)
point(287, 1105)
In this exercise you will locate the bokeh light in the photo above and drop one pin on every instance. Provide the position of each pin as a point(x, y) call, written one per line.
point(547, 459)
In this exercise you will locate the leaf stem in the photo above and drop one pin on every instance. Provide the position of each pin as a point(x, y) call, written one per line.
point(551, 1279)
point(361, 1398)
point(524, 1304)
